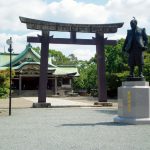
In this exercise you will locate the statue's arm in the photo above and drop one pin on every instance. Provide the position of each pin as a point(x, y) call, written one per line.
point(145, 38)
point(125, 43)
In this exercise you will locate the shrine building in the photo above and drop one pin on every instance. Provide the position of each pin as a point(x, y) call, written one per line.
point(27, 67)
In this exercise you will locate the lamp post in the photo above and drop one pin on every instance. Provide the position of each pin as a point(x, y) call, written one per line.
point(9, 42)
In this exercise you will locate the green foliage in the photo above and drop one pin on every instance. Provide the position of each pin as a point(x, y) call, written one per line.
point(81, 81)
point(116, 66)
point(58, 58)
point(116, 70)
point(88, 76)
point(146, 71)
point(73, 60)
point(5, 82)
point(37, 49)
point(91, 77)
point(114, 80)
point(115, 61)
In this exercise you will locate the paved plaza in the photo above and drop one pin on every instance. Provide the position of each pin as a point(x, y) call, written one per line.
point(69, 128)
point(26, 102)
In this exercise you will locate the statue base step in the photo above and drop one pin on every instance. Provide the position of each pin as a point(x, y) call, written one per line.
point(135, 79)
point(132, 120)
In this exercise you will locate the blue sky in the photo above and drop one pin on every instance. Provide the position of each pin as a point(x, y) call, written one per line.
point(101, 2)
point(69, 11)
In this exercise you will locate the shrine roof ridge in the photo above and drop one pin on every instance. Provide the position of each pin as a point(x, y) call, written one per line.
point(70, 27)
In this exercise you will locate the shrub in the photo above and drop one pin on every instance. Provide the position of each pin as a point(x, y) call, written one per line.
point(114, 81)
point(5, 82)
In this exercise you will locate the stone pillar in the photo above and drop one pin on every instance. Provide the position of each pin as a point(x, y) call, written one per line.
point(70, 81)
point(134, 103)
point(71, 84)
point(55, 85)
point(20, 84)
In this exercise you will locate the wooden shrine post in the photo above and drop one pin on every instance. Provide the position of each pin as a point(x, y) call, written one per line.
point(102, 92)
point(43, 66)
point(45, 39)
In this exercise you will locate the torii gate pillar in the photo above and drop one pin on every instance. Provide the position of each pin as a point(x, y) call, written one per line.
point(102, 90)
point(43, 66)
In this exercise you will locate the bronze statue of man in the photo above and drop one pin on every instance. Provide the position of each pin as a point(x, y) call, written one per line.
point(135, 44)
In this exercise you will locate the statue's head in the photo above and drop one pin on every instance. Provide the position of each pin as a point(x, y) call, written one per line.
point(133, 23)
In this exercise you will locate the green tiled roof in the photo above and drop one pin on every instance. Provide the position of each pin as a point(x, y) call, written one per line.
point(23, 54)
point(66, 71)
point(29, 63)
point(20, 60)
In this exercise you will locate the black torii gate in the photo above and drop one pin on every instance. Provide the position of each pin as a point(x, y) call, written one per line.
point(45, 39)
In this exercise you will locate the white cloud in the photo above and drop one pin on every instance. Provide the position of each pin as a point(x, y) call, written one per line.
point(124, 10)
point(80, 51)
point(12, 9)
point(64, 11)
point(69, 11)
point(84, 54)
point(77, 12)
point(19, 41)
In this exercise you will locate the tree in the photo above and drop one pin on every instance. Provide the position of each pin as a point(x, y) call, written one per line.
point(80, 82)
point(5, 82)
point(147, 65)
point(88, 76)
point(37, 49)
point(91, 77)
point(58, 58)
point(115, 60)
point(73, 59)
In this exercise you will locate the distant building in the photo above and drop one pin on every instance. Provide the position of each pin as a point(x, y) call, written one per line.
point(26, 66)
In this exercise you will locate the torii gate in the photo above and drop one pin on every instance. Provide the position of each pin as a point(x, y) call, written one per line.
point(45, 39)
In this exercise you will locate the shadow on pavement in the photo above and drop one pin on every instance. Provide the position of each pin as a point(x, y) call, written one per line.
point(110, 112)
point(95, 124)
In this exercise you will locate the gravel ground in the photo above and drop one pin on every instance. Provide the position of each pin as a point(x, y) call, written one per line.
point(70, 129)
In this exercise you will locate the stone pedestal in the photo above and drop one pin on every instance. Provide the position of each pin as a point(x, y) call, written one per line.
point(134, 103)
point(41, 105)
point(103, 104)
